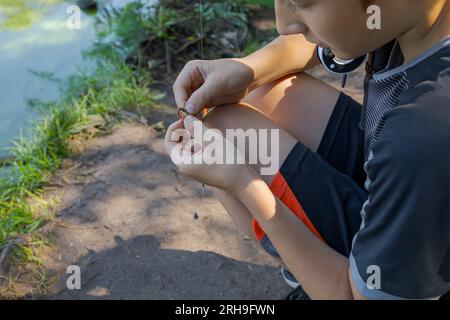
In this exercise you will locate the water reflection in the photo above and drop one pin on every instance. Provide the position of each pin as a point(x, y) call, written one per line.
point(34, 36)
point(20, 14)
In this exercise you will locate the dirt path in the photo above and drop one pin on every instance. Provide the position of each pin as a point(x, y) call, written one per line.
point(126, 218)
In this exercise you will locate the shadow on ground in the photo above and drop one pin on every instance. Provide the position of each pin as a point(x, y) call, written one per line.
point(140, 269)
point(139, 230)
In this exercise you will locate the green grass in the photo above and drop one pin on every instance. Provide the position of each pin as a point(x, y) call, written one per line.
point(38, 154)
point(110, 87)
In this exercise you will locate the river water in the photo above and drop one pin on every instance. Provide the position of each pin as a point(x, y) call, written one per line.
point(34, 37)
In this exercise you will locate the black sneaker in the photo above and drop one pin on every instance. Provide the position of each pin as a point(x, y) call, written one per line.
point(297, 294)
point(289, 278)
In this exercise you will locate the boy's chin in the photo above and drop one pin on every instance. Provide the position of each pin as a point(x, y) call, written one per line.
point(342, 55)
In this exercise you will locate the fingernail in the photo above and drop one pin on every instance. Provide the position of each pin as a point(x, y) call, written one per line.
point(189, 107)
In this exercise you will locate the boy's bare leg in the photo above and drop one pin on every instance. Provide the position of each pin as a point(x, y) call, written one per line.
point(300, 104)
point(237, 211)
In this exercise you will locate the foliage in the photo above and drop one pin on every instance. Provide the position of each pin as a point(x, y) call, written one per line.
point(165, 35)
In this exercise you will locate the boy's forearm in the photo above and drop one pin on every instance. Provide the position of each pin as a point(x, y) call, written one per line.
point(284, 55)
point(322, 271)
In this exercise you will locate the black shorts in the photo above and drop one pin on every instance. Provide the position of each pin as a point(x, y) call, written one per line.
point(315, 186)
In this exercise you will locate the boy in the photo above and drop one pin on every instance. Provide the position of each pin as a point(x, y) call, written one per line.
point(360, 207)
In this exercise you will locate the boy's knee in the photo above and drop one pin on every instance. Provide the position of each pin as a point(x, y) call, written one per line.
point(225, 116)
point(256, 96)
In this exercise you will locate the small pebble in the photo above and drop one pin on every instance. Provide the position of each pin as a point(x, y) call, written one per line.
point(195, 216)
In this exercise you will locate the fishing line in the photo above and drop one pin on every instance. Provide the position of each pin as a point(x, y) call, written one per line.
point(201, 53)
point(201, 28)
point(195, 216)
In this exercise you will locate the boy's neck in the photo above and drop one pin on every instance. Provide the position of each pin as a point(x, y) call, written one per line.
point(434, 26)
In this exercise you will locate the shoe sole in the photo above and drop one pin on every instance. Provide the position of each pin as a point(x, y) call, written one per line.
point(290, 283)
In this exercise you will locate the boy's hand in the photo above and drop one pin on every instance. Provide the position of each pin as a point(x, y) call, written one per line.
point(191, 159)
point(209, 83)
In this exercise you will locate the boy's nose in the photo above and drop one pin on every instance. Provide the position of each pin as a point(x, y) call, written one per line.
point(291, 28)
point(286, 21)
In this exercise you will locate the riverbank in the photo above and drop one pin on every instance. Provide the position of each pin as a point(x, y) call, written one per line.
point(138, 230)
point(93, 105)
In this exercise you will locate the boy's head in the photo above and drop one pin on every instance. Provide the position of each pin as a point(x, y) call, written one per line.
point(342, 24)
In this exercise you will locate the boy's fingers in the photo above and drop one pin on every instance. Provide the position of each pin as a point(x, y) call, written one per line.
point(203, 97)
point(181, 132)
point(180, 87)
point(192, 144)
point(188, 79)
point(176, 125)
point(192, 122)
point(172, 137)
point(180, 94)
point(188, 122)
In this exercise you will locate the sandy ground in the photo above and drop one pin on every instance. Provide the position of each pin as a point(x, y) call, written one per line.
point(126, 218)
